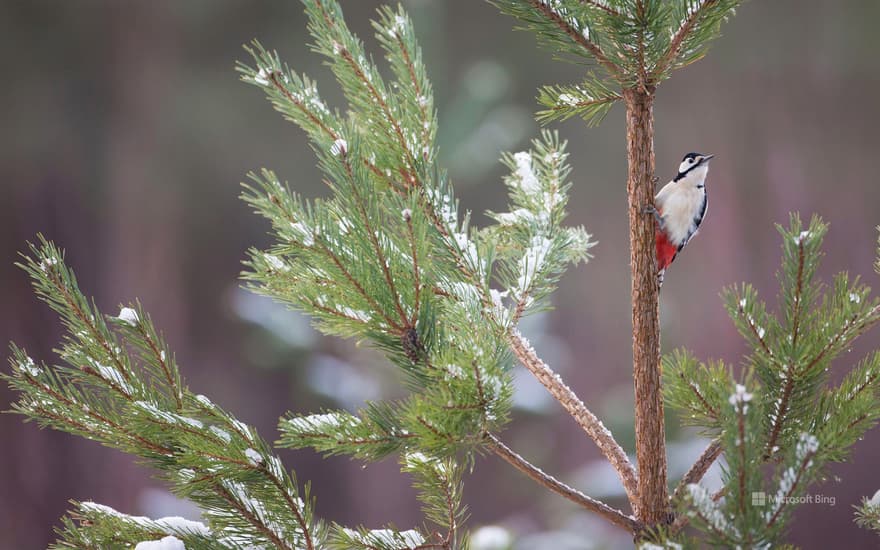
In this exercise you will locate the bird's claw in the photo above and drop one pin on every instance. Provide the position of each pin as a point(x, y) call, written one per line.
point(649, 209)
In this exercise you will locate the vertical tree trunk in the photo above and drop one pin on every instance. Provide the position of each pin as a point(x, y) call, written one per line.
point(650, 435)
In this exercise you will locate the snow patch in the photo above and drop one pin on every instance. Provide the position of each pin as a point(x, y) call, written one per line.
point(804, 236)
point(48, 263)
point(29, 367)
point(532, 262)
point(275, 262)
point(708, 509)
point(253, 457)
point(129, 316)
point(304, 233)
point(398, 26)
point(165, 543)
point(528, 182)
point(387, 537)
point(740, 395)
point(568, 99)
point(262, 77)
point(340, 146)
point(113, 376)
point(322, 422)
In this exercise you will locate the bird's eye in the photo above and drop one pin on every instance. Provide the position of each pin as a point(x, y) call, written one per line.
point(690, 161)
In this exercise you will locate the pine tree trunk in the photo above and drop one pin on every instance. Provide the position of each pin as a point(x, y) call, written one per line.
point(650, 435)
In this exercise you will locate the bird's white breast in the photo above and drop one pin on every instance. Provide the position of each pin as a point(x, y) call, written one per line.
point(679, 203)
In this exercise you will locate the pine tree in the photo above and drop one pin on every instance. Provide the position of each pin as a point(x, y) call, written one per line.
point(391, 258)
point(634, 45)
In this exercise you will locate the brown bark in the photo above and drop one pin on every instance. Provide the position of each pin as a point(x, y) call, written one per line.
point(650, 435)
point(582, 415)
point(611, 514)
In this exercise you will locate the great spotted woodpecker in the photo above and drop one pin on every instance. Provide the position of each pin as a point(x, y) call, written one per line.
point(680, 208)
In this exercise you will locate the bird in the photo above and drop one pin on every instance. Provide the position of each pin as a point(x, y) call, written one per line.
point(679, 209)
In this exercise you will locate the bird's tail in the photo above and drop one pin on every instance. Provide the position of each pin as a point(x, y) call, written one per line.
point(660, 275)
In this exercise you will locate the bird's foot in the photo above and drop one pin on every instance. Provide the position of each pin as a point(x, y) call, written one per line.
point(651, 210)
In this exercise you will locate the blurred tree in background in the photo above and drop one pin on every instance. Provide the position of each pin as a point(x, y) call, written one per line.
point(93, 156)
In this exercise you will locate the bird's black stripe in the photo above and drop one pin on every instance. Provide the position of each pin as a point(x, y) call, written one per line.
point(698, 219)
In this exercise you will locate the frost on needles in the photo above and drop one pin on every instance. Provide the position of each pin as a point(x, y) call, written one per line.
point(389, 257)
point(784, 415)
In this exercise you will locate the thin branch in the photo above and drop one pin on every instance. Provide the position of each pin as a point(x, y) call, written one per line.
point(741, 474)
point(582, 415)
point(417, 87)
point(578, 38)
point(607, 9)
point(781, 411)
point(377, 97)
point(613, 515)
point(756, 333)
point(798, 296)
point(793, 373)
point(172, 384)
point(803, 468)
point(868, 381)
point(643, 74)
point(699, 468)
point(329, 253)
point(678, 39)
point(374, 241)
point(251, 517)
point(696, 390)
point(590, 103)
point(158, 449)
point(843, 332)
point(416, 270)
point(273, 77)
point(88, 321)
point(450, 537)
point(682, 521)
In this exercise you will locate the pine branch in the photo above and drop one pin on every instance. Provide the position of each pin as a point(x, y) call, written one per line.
point(868, 514)
point(602, 6)
point(590, 100)
point(93, 525)
point(439, 484)
point(613, 515)
point(577, 37)
point(379, 539)
point(793, 479)
point(576, 408)
point(699, 23)
point(179, 433)
point(699, 468)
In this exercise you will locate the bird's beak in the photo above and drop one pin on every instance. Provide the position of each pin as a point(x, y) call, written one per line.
point(707, 158)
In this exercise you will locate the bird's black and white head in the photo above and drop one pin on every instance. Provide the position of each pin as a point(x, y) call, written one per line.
point(694, 165)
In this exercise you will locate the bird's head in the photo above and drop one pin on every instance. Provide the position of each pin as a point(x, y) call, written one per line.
point(696, 164)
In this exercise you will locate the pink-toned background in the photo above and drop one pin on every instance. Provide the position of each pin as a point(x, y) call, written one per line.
point(124, 134)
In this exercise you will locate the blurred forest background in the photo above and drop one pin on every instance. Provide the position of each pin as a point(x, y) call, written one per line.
point(124, 134)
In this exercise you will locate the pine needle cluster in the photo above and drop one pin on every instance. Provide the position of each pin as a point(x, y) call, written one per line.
point(782, 421)
point(389, 258)
point(625, 43)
